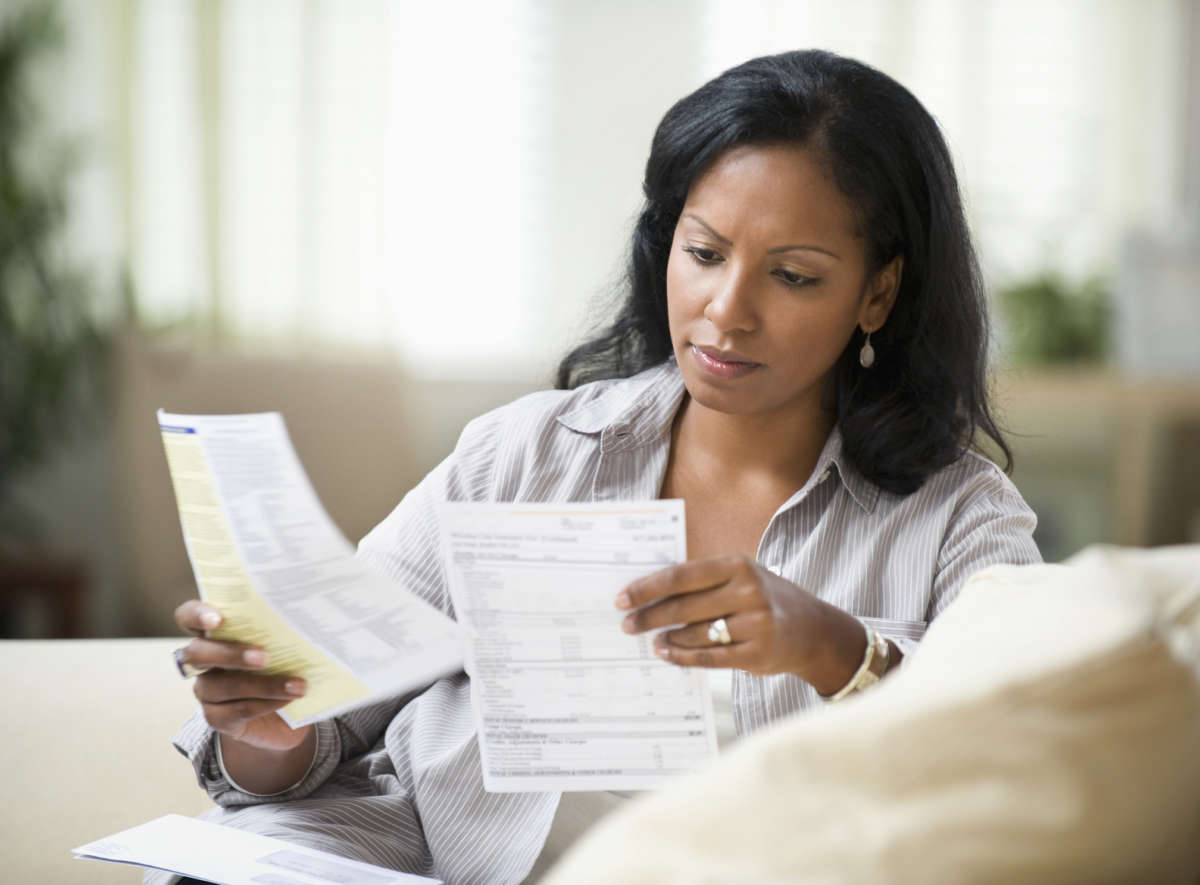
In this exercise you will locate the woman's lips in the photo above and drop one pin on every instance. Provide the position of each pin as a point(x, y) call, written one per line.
point(722, 364)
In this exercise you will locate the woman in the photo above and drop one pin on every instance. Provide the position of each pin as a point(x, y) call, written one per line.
point(801, 358)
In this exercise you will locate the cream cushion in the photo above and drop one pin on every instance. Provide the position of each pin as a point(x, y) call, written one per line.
point(1046, 730)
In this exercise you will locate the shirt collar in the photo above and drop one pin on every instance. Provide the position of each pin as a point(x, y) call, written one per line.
point(624, 418)
point(625, 421)
point(833, 460)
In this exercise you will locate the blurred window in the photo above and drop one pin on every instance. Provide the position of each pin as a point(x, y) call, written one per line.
point(413, 177)
point(1064, 116)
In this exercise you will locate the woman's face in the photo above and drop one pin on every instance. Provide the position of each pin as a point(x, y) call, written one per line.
point(766, 282)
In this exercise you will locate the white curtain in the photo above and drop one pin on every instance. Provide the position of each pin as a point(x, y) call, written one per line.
point(451, 183)
point(358, 175)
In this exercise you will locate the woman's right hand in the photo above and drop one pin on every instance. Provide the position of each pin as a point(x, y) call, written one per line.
point(238, 702)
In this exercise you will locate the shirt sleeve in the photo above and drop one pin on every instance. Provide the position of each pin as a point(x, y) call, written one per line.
point(992, 526)
point(406, 546)
point(338, 739)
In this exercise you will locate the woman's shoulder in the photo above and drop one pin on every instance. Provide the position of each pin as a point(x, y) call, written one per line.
point(974, 476)
point(541, 443)
point(971, 481)
point(965, 516)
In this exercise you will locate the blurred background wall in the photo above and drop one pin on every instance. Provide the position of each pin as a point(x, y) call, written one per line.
point(382, 218)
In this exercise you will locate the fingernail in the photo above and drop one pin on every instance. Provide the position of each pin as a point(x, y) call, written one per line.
point(209, 620)
point(663, 652)
point(254, 658)
point(294, 687)
point(628, 626)
point(623, 600)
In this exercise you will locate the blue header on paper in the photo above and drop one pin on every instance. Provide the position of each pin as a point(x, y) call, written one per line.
point(171, 428)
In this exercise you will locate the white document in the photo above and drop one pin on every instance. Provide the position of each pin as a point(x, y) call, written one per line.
point(229, 856)
point(564, 700)
point(266, 554)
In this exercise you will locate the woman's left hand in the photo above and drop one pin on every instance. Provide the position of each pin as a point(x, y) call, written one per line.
point(776, 626)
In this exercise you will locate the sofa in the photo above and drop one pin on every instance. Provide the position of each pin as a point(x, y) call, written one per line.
point(86, 751)
point(1044, 731)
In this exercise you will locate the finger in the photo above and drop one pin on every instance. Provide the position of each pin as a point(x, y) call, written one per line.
point(223, 686)
point(714, 656)
point(230, 717)
point(743, 627)
point(684, 577)
point(687, 608)
point(196, 616)
point(206, 654)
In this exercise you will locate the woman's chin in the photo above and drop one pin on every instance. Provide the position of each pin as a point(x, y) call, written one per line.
point(721, 397)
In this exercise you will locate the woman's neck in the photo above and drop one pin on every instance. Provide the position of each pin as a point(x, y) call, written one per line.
point(780, 447)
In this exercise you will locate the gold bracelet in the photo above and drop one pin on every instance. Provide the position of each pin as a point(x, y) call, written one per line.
point(874, 665)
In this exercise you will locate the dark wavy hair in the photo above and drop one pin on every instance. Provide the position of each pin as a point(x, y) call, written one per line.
point(921, 405)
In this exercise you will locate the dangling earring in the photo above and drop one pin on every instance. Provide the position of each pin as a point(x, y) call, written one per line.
point(866, 356)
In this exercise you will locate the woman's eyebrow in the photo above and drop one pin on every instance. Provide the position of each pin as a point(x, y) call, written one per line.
point(805, 248)
point(728, 242)
point(708, 227)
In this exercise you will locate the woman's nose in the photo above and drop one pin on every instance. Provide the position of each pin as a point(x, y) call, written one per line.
point(731, 306)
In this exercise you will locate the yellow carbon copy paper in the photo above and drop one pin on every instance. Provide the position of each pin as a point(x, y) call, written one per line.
point(268, 557)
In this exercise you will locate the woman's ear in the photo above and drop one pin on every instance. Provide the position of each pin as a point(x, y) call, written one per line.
point(880, 295)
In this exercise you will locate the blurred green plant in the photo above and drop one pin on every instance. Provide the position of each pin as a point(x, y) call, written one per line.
point(53, 343)
point(1050, 320)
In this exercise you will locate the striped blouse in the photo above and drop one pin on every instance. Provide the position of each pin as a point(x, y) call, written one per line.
point(399, 783)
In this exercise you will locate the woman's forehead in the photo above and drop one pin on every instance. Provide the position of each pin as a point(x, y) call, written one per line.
point(772, 190)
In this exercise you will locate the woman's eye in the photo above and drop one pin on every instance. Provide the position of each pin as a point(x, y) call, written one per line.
point(702, 255)
point(795, 279)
